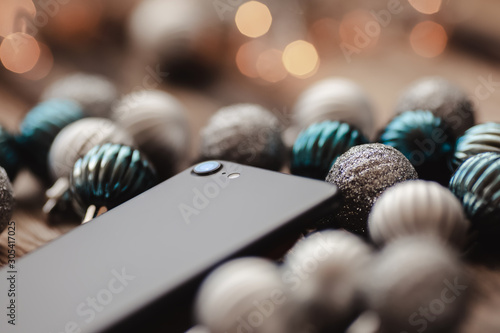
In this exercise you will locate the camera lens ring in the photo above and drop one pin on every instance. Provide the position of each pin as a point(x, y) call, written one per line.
point(207, 168)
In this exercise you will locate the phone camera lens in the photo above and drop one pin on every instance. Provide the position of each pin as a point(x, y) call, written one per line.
point(207, 168)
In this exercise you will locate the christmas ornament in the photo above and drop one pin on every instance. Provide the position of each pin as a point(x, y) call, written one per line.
point(109, 175)
point(72, 143)
point(39, 129)
point(416, 280)
point(94, 93)
point(319, 146)
point(335, 99)
point(424, 139)
point(478, 139)
point(362, 174)
point(476, 184)
point(246, 134)
point(323, 270)
point(443, 99)
point(157, 122)
point(6, 200)
point(418, 207)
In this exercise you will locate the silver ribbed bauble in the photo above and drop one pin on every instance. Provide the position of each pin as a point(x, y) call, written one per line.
point(416, 283)
point(244, 294)
point(157, 122)
point(335, 99)
point(418, 207)
point(94, 93)
point(76, 139)
point(322, 271)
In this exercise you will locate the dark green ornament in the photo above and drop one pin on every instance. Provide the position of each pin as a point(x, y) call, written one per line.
point(319, 146)
point(39, 129)
point(479, 139)
point(476, 183)
point(109, 175)
point(425, 140)
point(9, 157)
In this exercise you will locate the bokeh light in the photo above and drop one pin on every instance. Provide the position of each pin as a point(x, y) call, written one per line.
point(426, 6)
point(301, 59)
point(14, 15)
point(359, 30)
point(246, 58)
point(43, 66)
point(270, 66)
point(19, 52)
point(253, 19)
point(76, 22)
point(428, 39)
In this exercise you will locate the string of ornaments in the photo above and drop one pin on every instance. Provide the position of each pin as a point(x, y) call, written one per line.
point(400, 230)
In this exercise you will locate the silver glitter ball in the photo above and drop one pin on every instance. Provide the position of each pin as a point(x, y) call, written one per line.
point(246, 134)
point(94, 93)
point(6, 199)
point(335, 99)
point(442, 98)
point(417, 284)
point(322, 272)
point(418, 207)
point(76, 139)
point(362, 174)
point(157, 121)
point(244, 294)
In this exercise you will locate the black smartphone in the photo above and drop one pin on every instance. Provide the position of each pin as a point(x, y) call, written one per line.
point(137, 267)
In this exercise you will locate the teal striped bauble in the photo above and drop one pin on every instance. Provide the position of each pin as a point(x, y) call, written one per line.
point(479, 139)
point(109, 175)
point(425, 140)
point(39, 129)
point(476, 183)
point(319, 146)
point(9, 157)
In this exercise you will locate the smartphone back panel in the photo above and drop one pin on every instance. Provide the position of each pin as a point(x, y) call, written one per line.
point(151, 247)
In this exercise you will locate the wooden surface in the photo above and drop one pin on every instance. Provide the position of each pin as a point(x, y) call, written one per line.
point(382, 72)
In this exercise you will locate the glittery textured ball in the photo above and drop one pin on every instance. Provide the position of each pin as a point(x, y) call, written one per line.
point(319, 146)
point(418, 207)
point(76, 139)
point(479, 139)
point(442, 98)
point(326, 256)
point(6, 200)
point(425, 140)
point(109, 175)
point(227, 298)
point(334, 99)
point(246, 134)
point(157, 122)
point(39, 129)
point(9, 156)
point(94, 93)
point(476, 184)
point(362, 174)
point(416, 279)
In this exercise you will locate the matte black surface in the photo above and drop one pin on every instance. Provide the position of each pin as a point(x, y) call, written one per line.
point(166, 253)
